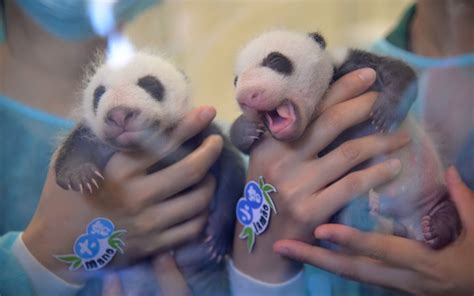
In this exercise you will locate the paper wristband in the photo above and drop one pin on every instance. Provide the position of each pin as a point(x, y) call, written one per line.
point(96, 248)
point(254, 209)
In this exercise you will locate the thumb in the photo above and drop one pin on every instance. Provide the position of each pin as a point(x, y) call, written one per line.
point(170, 280)
point(112, 285)
point(462, 196)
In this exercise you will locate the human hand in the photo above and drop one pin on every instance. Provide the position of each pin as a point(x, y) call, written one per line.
point(170, 280)
point(156, 210)
point(312, 189)
point(397, 262)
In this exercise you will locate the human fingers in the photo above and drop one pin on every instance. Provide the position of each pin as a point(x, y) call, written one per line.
point(181, 175)
point(351, 153)
point(334, 121)
point(357, 183)
point(348, 86)
point(177, 235)
point(128, 164)
point(179, 208)
point(170, 280)
point(353, 267)
point(112, 285)
point(394, 250)
point(461, 195)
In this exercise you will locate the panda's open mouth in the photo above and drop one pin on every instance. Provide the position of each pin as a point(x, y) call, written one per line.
point(280, 121)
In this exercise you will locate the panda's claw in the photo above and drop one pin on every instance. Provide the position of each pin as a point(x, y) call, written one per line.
point(210, 249)
point(244, 133)
point(89, 187)
point(99, 175)
point(81, 189)
point(95, 183)
point(69, 186)
point(208, 239)
point(387, 112)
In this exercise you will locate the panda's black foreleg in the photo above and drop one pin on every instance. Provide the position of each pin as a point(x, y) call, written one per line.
point(80, 161)
point(230, 175)
point(396, 82)
point(244, 133)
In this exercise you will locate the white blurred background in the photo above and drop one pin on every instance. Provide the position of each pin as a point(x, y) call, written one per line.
point(204, 36)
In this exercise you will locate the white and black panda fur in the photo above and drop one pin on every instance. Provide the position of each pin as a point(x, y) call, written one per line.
point(133, 107)
point(281, 78)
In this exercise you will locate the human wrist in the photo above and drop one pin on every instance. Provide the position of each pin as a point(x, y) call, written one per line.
point(262, 263)
point(242, 284)
point(43, 243)
point(42, 280)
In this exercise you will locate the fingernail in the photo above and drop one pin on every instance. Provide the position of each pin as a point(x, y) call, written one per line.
point(405, 137)
point(282, 250)
point(321, 234)
point(395, 165)
point(453, 175)
point(207, 113)
point(366, 74)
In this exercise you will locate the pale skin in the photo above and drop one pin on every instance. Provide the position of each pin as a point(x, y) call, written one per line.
point(437, 272)
point(397, 262)
point(439, 29)
point(307, 196)
point(156, 215)
point(154, 210)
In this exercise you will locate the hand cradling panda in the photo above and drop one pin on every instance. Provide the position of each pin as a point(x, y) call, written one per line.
point(281, 78)
point(131, 108)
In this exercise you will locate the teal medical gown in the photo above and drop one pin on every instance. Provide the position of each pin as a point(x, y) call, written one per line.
point(28, 138)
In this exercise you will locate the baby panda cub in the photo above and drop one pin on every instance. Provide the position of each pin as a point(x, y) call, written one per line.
point(123, 107)
point(281, 78)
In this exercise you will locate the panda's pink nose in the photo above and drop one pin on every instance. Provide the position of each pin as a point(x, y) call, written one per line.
point(121, 116)
point(250, 97)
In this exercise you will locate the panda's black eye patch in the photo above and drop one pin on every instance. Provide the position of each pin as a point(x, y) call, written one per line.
point(278, 62)
point(98, 92)
point(152, 86)
point(235, 80)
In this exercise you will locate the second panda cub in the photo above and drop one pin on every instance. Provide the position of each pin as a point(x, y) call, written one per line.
point(136, 105)
point(282, 76)
point(281, 79)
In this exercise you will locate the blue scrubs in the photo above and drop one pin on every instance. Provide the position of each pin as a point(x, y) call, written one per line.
point(28, 138)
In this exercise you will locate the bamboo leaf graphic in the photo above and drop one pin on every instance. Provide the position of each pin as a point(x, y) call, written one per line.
point(117, 244)
point(268, 188)
point(118, 233)
point(67, 258)
point(270, 202)
point(76, 265)
point(250, 241)
point(246, 232)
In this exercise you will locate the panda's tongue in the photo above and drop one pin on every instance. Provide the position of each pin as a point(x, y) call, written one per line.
point(280, 118)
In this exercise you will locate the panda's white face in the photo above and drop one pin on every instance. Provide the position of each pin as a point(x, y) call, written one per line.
point(125, 106)
point(280, 78)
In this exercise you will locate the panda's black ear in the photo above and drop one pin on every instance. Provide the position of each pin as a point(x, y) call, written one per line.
point(319, 39)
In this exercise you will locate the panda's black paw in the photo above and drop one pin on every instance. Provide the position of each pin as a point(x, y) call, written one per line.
point(386, 114)
point(244, 133)
point(85, 177)
point(217, 247)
